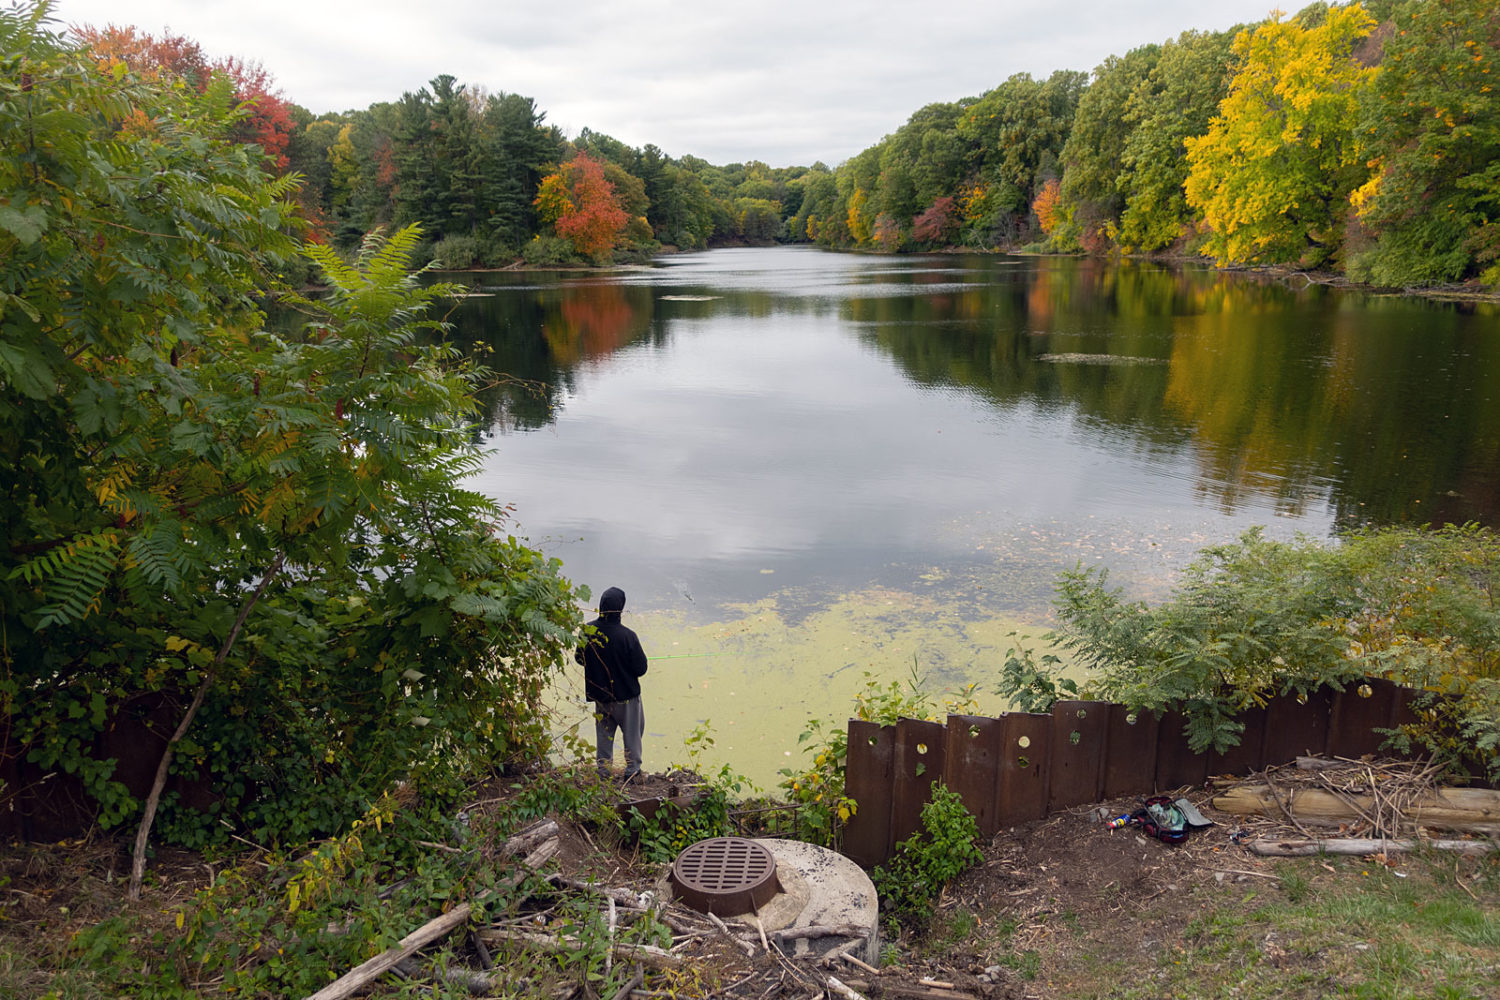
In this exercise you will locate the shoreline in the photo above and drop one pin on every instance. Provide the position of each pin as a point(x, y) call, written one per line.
point(1461, 293)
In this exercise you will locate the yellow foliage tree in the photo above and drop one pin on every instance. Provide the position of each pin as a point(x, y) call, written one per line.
point(859, 220)
point(1273, 174)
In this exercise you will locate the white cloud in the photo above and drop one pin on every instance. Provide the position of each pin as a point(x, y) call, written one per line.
point(780, 81)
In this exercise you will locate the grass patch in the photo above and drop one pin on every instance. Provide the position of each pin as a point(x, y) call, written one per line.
point(1345, 928)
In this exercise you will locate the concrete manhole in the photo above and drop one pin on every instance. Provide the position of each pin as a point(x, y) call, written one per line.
point(725, 876)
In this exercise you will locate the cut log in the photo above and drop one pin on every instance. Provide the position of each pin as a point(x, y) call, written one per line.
point(1361, 846)
point(1473, 810)
point(542, 829)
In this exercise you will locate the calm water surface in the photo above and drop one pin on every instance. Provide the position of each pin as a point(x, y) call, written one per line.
point(803, 466)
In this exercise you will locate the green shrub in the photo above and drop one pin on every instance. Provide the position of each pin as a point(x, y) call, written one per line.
point(457, 252)
point(548, 251)
point(928, 860)
point(1257, 618)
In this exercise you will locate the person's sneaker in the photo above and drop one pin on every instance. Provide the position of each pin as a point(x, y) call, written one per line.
point(633, 775)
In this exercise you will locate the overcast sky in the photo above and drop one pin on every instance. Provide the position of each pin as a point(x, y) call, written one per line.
point(788, 82)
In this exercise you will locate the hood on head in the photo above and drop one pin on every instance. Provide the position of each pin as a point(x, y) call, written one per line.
point(612, 601)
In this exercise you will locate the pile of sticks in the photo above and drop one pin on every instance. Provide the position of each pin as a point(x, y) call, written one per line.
point(1377, 807)
point(692, 932)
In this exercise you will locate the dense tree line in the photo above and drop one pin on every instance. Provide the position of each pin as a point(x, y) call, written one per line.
point(1358, 138)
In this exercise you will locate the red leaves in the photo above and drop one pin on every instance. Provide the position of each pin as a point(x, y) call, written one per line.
point(589, 215)
point(938, 224)
point(268, 122)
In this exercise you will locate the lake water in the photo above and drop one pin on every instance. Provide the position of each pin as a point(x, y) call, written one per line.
point(804, 466)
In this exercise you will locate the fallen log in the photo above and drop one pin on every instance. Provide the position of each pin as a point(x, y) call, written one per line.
point(536, 833)
point(372, 969)
point(1361, 846)
point(1473, 810)
point(646, 954)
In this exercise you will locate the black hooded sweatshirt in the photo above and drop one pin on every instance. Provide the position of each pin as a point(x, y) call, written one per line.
point(612, 657)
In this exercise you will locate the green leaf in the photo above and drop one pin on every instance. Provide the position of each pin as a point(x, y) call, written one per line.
point(26, 225)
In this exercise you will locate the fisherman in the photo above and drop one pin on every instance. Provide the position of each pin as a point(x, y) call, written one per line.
point(613, 663)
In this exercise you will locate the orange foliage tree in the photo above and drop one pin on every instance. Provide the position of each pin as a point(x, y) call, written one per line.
point(267, 120)
point(582, 203)
point(1048, 206)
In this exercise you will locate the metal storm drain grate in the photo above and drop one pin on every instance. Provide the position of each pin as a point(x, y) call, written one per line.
point(725, 875)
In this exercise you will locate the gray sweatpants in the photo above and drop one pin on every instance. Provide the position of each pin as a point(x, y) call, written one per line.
point(630, 718)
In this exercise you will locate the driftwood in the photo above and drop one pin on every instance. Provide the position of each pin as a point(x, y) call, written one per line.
point(643, 953)
point(1361, 846)
point(372, 969)
point(1474, 810)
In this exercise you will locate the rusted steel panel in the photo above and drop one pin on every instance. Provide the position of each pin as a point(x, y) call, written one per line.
point(1176, 763)
point(868, 780)
point(920, 750)
point(1295, 727)
point(1249, 756)
point(1080, 732)
point(1130, 760)
point(1021, 784)
point(971, 764)
point(1358, 711)
point(42, 804)
point(1403, 710)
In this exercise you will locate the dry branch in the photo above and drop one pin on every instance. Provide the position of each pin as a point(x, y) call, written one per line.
point(925, 993)
point(1361, 846)
point(644, 953)
point(819, 931)
point(724, 929)
point(635, 980)
point(842, 990)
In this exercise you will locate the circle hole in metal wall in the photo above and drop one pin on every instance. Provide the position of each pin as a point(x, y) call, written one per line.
point(725, 875)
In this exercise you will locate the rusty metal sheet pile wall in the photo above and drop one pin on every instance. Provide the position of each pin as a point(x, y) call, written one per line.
point(1021, 766)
